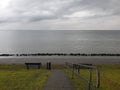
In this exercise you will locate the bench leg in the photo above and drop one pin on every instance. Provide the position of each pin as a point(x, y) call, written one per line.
point(27, 67)
point(38, 66)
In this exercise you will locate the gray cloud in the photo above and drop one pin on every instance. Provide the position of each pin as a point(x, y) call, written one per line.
point(55, 11)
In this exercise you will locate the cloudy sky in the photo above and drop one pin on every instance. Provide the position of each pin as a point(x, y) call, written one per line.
point(59, 14)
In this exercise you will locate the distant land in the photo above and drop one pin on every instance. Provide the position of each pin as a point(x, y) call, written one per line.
point(63, 54)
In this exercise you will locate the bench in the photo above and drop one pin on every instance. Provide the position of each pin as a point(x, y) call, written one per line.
point(33, 64)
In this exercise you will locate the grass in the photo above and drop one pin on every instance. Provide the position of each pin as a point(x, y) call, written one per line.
point(17, 77)
point(109, 78)
point(57, 66)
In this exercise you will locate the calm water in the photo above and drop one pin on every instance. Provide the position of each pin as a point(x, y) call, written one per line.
point(59, 41)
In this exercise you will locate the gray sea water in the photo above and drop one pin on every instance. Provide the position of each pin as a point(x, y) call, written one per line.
point(61, 41)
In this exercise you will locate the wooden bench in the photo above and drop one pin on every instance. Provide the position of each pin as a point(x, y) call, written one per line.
point(33, 64)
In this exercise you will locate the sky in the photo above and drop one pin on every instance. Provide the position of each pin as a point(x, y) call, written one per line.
point(59, 14)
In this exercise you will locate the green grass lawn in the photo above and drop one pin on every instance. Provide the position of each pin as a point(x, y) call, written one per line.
point(17, 77)
point(109, 74)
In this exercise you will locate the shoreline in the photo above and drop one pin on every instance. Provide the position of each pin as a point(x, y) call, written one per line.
point(60, 60)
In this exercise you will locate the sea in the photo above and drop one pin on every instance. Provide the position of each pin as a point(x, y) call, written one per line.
point(59, 41)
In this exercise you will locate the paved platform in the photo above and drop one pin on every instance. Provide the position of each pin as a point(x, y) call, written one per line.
point(58, 81)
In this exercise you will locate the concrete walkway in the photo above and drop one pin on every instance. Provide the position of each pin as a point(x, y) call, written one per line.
point(58, 81)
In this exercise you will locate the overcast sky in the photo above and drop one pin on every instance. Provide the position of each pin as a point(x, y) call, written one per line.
point(59, 14)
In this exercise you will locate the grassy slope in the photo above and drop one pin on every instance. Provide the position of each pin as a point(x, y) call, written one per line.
point(17, 77)
point(110, 78)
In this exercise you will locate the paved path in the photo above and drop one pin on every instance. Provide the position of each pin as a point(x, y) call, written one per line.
point(58, 81)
